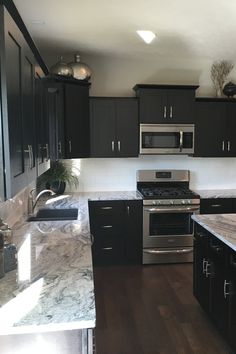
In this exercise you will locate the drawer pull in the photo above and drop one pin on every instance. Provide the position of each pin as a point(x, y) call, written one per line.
point(106, 208)
point(216, 205)
point(107, 248)
point(106, 226)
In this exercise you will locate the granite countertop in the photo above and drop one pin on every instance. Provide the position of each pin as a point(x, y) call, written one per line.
point(223, 226)
point(216, 193)
point(52, 289)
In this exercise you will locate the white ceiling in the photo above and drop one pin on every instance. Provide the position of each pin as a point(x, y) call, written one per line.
point(204, 29)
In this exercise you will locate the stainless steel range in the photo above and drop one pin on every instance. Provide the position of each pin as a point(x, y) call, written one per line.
point(168, 204)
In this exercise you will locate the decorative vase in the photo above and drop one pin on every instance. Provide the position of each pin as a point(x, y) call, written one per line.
point(229, 89)
point(61, 68)
point(57, 187)
point(81, 71)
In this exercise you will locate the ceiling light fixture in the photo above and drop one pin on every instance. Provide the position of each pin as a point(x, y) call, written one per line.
point(147, 36)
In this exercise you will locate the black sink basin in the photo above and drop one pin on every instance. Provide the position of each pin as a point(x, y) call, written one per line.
point(54, 215)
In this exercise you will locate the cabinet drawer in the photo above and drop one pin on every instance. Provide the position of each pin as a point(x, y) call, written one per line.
point(217, 206)
point(105, 216)
point(108, 250)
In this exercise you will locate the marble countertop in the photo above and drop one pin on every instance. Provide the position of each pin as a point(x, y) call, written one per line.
point(52, 288)
point(223, 226)
point(216, 193)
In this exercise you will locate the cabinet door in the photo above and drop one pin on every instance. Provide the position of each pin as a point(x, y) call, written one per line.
point(230, 138)
point(153, 106)
point(55, 111)
point(231, 291)
point(219, 301)
point(217, 206)
point(76, 118)
point(210, 129)
point(201, 268)
point(42, 125)
point(127, 129)
point(28, 109)
point(133, 231)
point(180, 106)
point(103, 127)
point(14, 47)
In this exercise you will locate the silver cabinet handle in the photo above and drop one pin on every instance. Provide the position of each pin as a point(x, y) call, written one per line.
point(164, 115)
point(70, 146)
point(106, 248)
point(171, 112)
point(216, 205)
point(223, 145)
point(112, 145)
point(92, 239)
point(228, 145)
point(118, 145)
point(59, 147)
point(128, 210)
point(226, 293)
point(30, 156)
point(177, 251)
point(181, 140)
point(207, 267)
point(106, 226)
point(204, 264)
point(106, 208)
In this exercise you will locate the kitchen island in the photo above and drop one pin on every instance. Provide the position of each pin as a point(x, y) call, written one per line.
point(214, 271)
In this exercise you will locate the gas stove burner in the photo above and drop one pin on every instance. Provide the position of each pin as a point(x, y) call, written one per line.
point(167, 193)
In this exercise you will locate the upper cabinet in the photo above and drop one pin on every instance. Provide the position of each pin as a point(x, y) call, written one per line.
point(215, 128)
point(67, 105)
point(19, 103)
point(166, 103)
point(114, 127)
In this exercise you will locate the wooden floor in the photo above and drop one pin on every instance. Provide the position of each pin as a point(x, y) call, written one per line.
point(150, 310)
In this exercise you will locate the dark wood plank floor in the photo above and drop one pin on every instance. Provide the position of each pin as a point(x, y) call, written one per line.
point(150, 310)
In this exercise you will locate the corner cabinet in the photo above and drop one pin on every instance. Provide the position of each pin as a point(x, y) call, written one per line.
point(166, 103)
point(215, 125)
point(116, 228)
point(68, 112)
point(114, 127)
point(214, 281)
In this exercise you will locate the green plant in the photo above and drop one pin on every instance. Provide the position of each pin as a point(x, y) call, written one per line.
point(59, 172)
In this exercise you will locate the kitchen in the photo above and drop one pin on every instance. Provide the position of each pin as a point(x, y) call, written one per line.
point(115, 74)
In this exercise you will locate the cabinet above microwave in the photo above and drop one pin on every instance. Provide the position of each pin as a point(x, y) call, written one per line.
point(166, 139)
point(166, 104)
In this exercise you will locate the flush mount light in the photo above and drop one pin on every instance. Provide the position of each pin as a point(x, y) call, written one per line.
point(147, 36)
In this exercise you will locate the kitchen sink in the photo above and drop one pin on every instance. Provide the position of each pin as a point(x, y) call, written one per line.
point(54, 215)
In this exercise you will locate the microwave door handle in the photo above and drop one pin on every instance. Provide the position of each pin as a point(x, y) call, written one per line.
point(181, 135)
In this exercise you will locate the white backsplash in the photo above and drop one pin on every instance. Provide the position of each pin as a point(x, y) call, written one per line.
point(120, 174)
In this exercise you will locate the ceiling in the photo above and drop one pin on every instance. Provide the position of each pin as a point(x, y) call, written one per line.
point(185, 28)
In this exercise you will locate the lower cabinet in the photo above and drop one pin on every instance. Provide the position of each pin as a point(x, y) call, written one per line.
point(116, 227)
point(215, 281)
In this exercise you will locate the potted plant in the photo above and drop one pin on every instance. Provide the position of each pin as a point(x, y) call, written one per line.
point(57, 176)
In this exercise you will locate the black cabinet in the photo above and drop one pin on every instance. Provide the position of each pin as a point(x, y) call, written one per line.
point(166, 103)
point(217, 206)
point(215, 127)
point(20, 91)
point(116, 227)
point(68, 114)
point(215, 280)
point(114, 127)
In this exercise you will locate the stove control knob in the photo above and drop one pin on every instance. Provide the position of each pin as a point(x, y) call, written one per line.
point(183, 202)
point(154, 202)
point(172, 202)
point(189, 201)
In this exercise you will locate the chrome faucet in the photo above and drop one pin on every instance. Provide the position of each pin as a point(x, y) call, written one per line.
point(33, 201)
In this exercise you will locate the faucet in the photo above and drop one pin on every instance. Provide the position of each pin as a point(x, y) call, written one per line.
point(32, 202)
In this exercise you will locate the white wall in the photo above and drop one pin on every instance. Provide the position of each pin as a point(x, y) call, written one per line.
point(116, 77)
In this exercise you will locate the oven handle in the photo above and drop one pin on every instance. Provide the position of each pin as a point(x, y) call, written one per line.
point(184, 250)
point(171, 210)
point(181, 140)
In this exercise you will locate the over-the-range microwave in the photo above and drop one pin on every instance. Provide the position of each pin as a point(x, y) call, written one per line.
point(167, 139)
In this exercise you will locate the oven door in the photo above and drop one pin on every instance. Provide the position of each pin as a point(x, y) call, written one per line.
point(166, 139)
point(168, 226)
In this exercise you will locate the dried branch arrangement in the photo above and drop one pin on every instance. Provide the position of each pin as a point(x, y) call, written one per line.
point(219, 72)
